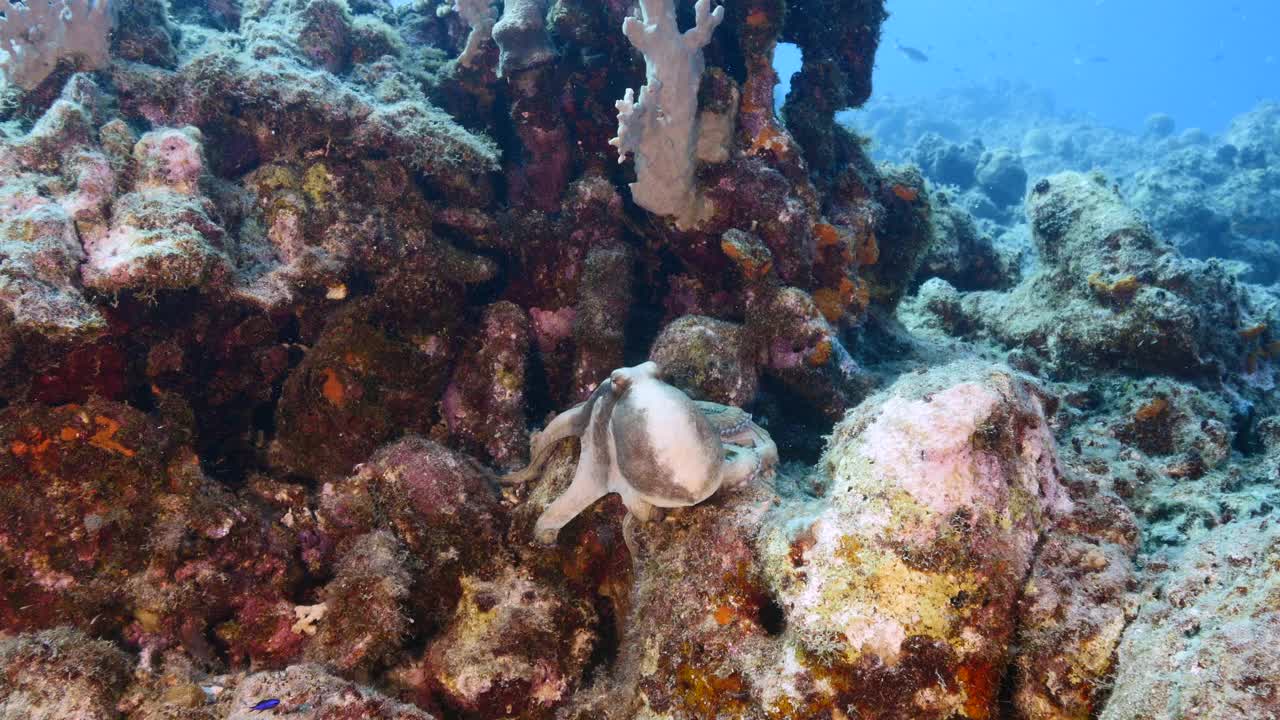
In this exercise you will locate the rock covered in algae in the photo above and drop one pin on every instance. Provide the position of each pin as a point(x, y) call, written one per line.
point(709, 359)
point(1001, 176)
point(1203, 643)
point(713, 647)
point(1109, 293)
point(517, 647)
point(60, 673)
point(215, 563)
point(365, 616)
point(309, 692)
point(960, 253)
point(40, 248)
point(1077, 601)
point(483, 406)
point(439, 503)
point(947, 162)
point(839, 50)
point(359, 387)
point(164, 234)
point(88, 481)
point(906, 573)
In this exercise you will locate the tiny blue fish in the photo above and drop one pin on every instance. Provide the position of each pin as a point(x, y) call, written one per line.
point(265, 705)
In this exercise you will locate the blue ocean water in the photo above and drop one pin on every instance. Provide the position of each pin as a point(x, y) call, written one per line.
point(1118, 61)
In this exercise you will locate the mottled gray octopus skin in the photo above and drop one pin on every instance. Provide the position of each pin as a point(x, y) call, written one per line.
point(651, 444)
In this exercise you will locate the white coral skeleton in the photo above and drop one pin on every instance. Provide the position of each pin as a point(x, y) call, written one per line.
point(35, 35)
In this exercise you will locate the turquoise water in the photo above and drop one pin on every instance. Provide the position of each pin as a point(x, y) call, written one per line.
point(1117, 60)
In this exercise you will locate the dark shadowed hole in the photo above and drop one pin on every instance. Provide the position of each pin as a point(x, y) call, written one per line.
point(644, 321)
point(795, 425)
point(771, 617)
point(141, 397)
point(606, 650)
point(1244, 425)
point(538, 390)
point(1005, 707)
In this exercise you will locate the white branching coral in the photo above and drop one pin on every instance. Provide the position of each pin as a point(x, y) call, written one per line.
point(660, 127)
point(36, 34)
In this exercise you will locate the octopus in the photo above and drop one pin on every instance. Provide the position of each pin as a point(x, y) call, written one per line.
point(652, 445)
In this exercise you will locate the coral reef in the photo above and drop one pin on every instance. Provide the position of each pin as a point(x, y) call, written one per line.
point(1109, 292)
point(289, 288)
point(1208, 196)
point(1220, 199)
point(161, 235)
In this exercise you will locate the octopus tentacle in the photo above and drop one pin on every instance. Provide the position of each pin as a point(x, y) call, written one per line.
point(567, 424)
point(726, 419)
point(587, 487)
point(751, 455)
point(590, 479)
point(570, 423)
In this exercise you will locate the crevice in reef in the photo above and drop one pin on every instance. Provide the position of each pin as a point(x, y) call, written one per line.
point(771, 616)
point(795, 424)
point(608, 641)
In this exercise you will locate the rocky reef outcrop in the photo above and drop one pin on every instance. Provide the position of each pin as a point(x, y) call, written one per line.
point(1212, 614)
point(1210, 195)
point(1109, 292)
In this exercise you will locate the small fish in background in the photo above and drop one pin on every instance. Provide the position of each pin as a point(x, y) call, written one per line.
point(912, 54)
point(1092, 60)
point(265, 705)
